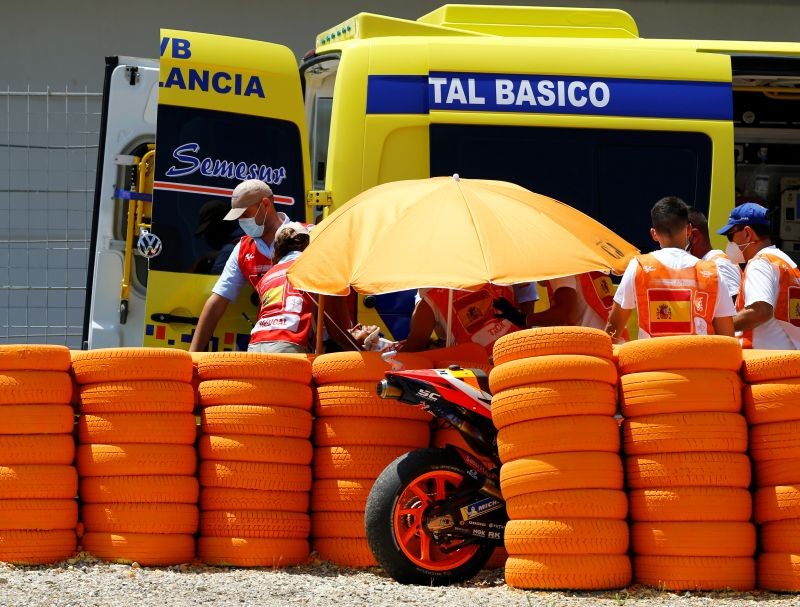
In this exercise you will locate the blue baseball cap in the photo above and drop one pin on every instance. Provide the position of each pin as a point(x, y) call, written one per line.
point(747, 214)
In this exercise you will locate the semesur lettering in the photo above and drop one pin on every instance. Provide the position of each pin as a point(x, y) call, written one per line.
point(520, 92)
point(187, 155)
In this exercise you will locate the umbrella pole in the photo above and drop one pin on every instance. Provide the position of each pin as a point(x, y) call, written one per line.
point(320, 323)
point(449, 316)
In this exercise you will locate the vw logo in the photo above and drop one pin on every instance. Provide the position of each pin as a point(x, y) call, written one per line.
point(149, 245)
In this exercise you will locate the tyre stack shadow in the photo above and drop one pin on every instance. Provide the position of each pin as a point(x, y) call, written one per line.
point(356, 435)
point(255, 459)
point(38, 481)
point(554, 404)
point(136, 456)
point(687, 469)
point(772, 406)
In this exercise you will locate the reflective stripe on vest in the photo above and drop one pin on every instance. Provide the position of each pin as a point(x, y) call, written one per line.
point(673, 302)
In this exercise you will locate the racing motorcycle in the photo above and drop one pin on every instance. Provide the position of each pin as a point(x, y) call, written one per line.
point(434, 516)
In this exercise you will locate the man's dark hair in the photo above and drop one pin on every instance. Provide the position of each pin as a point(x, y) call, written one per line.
point(761, 230)
point(669, 216)
point(698, 220)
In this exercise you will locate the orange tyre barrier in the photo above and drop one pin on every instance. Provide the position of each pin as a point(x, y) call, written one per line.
point(343, 367)
point(252, 552)
point(34, 547)
point(770, 365)
point(346, 551)
point(685, 432)
point(779, 572)
point(337, 525)
point(35, 388)
point(546, 341)
point(695, 572)
point(558, 435)
point(37, 449)
point(569, 503)
point(135, 459)
point(255, 523)
point(566, 536)
point(359, 399)
point(780, 536)
point(131, 364)
point(220, 498)
point(158, 428)
point(39, 514)
point(353, 462)
point(137, 396)
point(691, 504)
point(658, 471)
point(379, 432)
point(260, 420)
point(690, 351)
point(559, 367)
point(774, 472)
point(779, 440)
point(272, 392)
point(34, 357)
point(553, 399)
point(255, 475)
point(776, 503)
point(293, 368)
point(587, 470)
point(559, 571)
point(140, 518)
point(680, 391)
point(38, 481)
point(139, 489)
point(149, 549)
point(251, 448)
point(772, 401)
point(37, 419)
point(691, 539)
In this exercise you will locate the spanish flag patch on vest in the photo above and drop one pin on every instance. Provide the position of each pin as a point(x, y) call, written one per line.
point(670, 311)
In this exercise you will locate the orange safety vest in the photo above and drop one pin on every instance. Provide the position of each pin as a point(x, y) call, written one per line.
point(787, 308)
point(473, 314)
point(596, 289)
point(669, 300)
point(285, 313)
point(252, 262)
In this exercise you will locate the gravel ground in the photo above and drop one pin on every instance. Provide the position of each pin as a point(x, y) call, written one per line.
point(87, 583)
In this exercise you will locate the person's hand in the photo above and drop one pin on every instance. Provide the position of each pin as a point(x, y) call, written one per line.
point(507, 310)
point(360, 332)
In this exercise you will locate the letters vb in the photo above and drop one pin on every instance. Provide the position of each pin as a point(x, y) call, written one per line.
point(180, 47)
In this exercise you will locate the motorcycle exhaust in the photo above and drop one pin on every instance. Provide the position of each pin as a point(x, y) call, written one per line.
point(387, 390)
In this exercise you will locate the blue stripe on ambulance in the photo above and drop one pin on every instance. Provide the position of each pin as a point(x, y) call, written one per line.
point(549, 94)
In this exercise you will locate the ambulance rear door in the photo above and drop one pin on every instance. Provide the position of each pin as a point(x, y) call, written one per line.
point(229, 109)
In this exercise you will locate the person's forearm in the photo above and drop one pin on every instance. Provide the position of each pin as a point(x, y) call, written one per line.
point(213, 310)
point(747, 319)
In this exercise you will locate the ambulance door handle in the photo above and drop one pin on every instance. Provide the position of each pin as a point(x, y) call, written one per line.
point(173, 318)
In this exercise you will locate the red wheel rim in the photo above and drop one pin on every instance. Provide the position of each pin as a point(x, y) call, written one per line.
point(415, 543)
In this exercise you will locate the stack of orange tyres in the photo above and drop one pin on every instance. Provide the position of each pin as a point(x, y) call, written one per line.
point(255, 459)
point(772, 407)
point(38, 481)
point(136, 457)
point(356, 435)
point(687, 469)
point(554, 404)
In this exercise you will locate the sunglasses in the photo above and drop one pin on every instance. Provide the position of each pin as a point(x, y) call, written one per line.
point(730, 234)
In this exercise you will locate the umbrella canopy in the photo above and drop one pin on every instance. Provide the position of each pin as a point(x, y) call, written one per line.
point(452, 233)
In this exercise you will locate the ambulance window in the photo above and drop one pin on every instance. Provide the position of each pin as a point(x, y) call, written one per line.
point(320, 135)
point(201, 156)
point(613, 175)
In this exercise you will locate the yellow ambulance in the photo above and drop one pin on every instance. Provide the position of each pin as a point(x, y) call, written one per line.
point(571, 103)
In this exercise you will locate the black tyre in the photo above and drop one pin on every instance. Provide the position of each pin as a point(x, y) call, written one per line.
point(394, 521)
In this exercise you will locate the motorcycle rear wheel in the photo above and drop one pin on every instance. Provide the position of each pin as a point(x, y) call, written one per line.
point(394, 521)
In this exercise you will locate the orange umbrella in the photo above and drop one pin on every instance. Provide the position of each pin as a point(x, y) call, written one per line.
point(453, 233)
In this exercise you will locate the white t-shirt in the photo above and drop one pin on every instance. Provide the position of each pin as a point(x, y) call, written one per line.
point(677, 259)
point(728, 269)
point(587, 317)
point(761, 283)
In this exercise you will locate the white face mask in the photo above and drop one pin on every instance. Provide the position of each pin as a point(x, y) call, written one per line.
point(734, 252)
point(250, 227)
